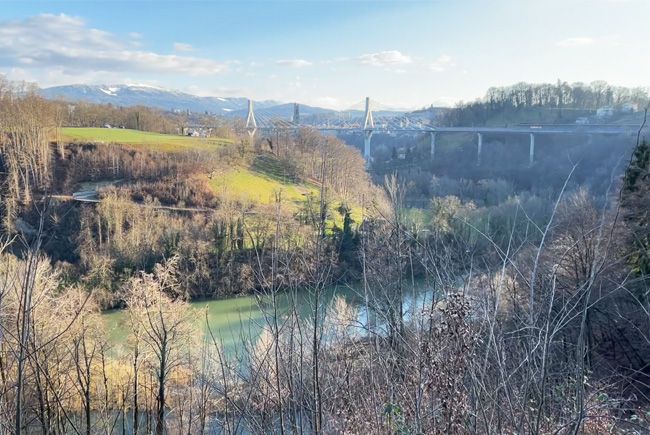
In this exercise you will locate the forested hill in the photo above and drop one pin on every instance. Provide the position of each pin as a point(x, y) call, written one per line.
point(559, 102)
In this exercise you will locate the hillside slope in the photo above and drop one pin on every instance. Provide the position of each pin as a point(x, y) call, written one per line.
point(253, 181)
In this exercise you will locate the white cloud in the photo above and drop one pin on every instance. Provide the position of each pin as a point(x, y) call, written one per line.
point(330, 102)
point(66, 44)
point(182, 47)
point(575, 42)
point(294, 63)
point(442, 63)
point(385, 58)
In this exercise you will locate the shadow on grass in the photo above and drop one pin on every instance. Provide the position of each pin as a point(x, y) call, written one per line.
point(276, 169)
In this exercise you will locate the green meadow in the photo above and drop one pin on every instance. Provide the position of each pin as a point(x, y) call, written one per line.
point(152, 141)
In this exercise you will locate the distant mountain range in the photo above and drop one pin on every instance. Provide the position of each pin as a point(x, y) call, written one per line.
point(166, 99)
point(170, 100)
point(142, 95)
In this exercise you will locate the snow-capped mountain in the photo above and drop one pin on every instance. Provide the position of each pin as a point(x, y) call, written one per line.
point(144, 95)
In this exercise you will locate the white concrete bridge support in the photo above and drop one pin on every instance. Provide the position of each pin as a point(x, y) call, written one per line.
point(432, 136)
point(368, 128)
point(531, 150)
point(479, 148)
point(251, 138)
point(367, 135)
point(251, 123)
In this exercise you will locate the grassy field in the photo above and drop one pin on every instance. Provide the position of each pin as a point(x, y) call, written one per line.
point(153, 141)
point(248, 186)
point(254, 184)
point(259, 182)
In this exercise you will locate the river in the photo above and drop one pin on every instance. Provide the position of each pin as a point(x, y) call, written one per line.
point(232, 319)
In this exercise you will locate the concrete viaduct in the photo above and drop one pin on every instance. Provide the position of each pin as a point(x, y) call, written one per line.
point(368, 127)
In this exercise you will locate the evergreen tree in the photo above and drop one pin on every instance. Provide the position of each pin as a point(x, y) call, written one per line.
point(347, 237)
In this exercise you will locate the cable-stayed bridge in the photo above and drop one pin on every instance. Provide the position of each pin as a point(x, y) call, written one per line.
point(367, 122)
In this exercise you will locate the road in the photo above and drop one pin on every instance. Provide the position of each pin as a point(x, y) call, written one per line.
point(90, 194)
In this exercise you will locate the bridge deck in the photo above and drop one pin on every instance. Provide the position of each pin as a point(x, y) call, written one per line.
point(483, 130)
point(545, 129)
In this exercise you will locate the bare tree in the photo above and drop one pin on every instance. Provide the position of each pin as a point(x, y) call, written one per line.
point(165, 323)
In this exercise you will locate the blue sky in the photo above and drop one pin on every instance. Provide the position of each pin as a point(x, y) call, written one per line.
point(333, 53)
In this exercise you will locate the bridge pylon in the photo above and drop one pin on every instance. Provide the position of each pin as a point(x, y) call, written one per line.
point(251, 123)
point(432, 144)
point(368, 122)
point(368, 129)
point(531, 150)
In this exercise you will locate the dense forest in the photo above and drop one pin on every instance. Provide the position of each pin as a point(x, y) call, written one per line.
point(535, 317)
point(547, 102)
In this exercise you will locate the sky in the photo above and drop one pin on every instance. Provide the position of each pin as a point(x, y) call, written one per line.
point(331, 53)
